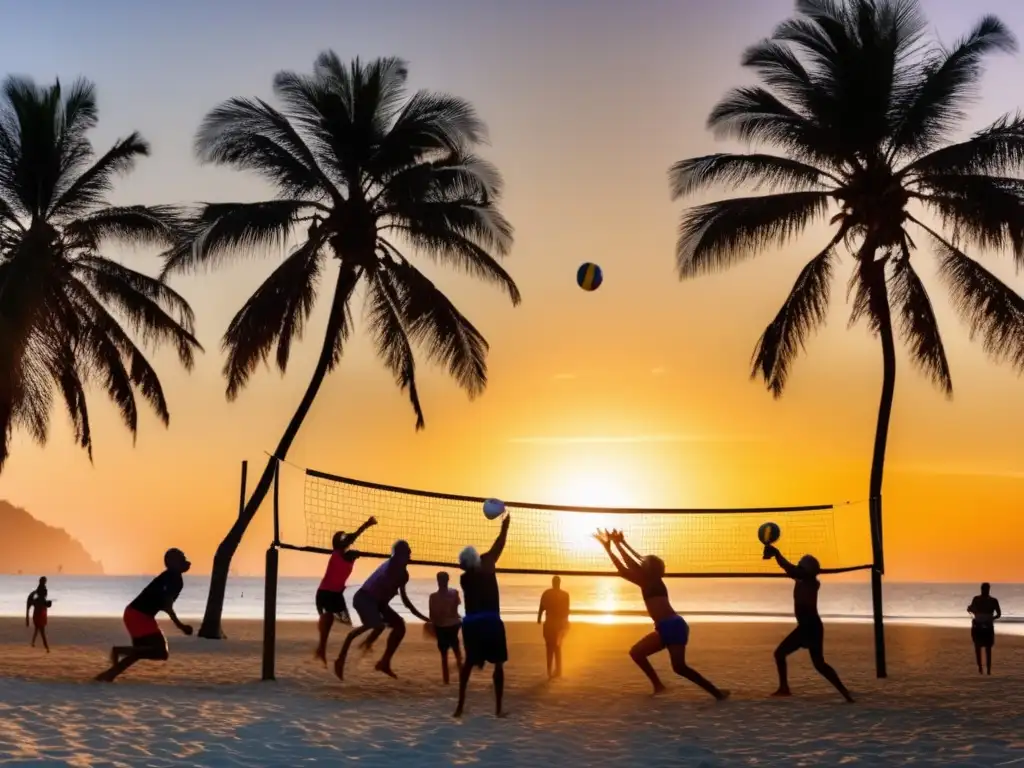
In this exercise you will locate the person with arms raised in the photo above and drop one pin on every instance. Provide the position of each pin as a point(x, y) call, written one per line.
point(330, 596)
point(483, 631)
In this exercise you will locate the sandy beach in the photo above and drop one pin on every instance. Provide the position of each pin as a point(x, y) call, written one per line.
point(207, 706)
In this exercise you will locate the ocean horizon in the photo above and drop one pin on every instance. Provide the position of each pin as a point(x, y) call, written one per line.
point(604, 600)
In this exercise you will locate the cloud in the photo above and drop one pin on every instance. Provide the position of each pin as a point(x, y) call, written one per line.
point(630, 439)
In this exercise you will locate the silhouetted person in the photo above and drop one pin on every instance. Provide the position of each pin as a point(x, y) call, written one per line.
point(554, 607)
point(330, 596)
point(984, 610)
point(372, 603)
point(444, 615)
point(671, 631)
point(810, 631)
point(37, 603)
point(148, 642)
point(483, 631)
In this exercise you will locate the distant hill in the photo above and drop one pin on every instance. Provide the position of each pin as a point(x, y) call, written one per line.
point(32, 547)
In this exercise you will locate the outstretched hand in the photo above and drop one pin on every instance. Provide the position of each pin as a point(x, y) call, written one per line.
point(505, 521)
point(770, 551)
point(618, 536)
point(186, 629)
point(371, 521)
point(604, 537)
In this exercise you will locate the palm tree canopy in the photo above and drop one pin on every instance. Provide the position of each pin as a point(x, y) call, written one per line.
point(373, 175)
point(862, 108)
point(69, 316)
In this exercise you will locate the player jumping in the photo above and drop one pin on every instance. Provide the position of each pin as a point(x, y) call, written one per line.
point(330, 597)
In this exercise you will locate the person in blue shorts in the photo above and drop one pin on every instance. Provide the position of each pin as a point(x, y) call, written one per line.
point(671, 632)
point(483, 631)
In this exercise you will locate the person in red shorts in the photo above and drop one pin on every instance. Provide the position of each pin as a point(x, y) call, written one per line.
point(38, 603)
point(148, 642)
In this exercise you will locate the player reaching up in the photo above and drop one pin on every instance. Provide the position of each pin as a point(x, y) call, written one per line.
point(810, 631)
point(330, 596)
point(670, 629)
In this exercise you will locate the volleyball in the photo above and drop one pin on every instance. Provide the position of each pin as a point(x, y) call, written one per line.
point(494, 508)
point(768, 533)
point(589, 276)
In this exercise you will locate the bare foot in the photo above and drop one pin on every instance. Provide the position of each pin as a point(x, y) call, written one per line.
point(386, 669)
point(849, 699)
point(457, 712)
point(320, 656)
point(104, 677)
point(658, 690)
point(723, 695)
point(782, 692)
point(501, 715)
point(339, 669)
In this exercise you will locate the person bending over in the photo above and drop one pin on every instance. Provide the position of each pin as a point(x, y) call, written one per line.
point(810, 631)
point(330, 596)
point(148, 642)
point(372, 603)
point(554, 607)
point(483, 631)
point(671, 632)
point(985, 611)
point(444, 616)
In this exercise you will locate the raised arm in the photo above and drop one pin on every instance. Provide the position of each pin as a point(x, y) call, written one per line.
point(408, 604)
point(499, 543)
point(351, 538)
point(791, 570)
point(627, 573)
point(629, 555)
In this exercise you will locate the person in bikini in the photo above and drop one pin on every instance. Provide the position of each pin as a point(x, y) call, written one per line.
point(671, 631)
point(38, 603)
point(985, 611)
point(148, 642)
point(444, 616)
point(554, 608)
point(810, 631)
point(372, 604)
point(330, 596)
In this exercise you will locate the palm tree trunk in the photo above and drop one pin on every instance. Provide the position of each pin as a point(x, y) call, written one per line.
point(211, 627)
point(882, 314)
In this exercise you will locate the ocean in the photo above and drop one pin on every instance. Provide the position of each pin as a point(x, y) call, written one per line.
point(603, 600)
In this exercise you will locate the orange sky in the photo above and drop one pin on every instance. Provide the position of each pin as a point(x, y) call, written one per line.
point(636, 394)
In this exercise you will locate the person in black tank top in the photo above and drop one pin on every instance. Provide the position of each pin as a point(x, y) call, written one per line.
point(483, 632)
point(809, 632)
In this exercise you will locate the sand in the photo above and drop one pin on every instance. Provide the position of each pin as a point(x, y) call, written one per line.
point(207, 706)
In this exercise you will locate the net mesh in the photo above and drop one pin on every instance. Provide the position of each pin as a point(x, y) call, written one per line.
point(556, 539)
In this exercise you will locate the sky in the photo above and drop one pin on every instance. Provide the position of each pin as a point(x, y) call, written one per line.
point(637, 394)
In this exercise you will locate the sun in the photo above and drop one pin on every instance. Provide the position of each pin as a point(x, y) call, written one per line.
point(589, 488)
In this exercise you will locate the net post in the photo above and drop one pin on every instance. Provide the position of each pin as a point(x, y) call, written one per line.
point(270, 613)
point(877, 570)
point(277, 507)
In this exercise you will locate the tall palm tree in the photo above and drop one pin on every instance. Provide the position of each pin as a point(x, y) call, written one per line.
point(68, 314)
point(374, 175)
point(863, 108)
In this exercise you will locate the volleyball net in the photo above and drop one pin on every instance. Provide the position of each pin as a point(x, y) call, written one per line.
point(554, 539)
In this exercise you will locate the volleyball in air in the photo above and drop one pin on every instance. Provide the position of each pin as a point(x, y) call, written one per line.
point(494, 508)
point(589, 276)
point(768, 533)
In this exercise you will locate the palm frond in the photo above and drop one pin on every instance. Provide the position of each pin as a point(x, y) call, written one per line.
point(932, 108)
point(90, 189)
point(72, 390)
point(990, 308)
point(758, 171)
point(985, 211)
point(384, 313)
point(997, 149)
point(714, 235)
point(918, 325)
point(128, 279)
point(801, 314)
point(250, 135)
point(160, 225)
point(431, 320)
point(275, 313)
point(220, 230)
point(120, 290)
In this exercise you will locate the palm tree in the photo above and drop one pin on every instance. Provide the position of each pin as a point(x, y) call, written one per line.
point(60, 298)
point(374, 175)
point(862, 108)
